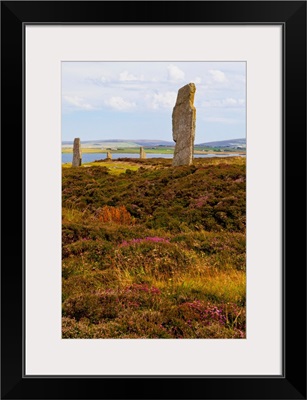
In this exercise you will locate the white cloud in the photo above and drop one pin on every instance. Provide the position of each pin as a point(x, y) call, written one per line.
point(163, 100)
point(197, 80)
point(228, 102)
point(217, 75)
point(175, 73)
point(118, 103)
point(97, 81)
point(78, 102)
point(240, 78)
point(126, 76)
point(222, 120)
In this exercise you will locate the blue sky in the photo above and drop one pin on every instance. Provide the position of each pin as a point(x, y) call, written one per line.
point(134, 100)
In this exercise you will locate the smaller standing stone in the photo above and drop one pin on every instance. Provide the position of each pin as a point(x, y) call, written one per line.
point(142, 153)
point(77, 155)
point(109, 155)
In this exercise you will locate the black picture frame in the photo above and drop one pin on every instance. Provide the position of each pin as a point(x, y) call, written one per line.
point(292, 16)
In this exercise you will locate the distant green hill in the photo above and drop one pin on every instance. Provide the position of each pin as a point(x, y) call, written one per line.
point(116, 143)
point(102, 144)
point(226, 143)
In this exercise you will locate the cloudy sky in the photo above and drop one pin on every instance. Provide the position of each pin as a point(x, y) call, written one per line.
point(134, 100)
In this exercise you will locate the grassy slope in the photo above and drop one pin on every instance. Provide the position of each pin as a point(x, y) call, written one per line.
point(174, 269)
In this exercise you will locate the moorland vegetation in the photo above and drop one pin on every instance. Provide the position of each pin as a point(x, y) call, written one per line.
point(154, 251)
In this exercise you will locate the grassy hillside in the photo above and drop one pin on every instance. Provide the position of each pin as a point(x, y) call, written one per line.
point(152, 251)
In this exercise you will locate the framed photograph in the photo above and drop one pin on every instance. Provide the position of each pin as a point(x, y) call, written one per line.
point(159, 189)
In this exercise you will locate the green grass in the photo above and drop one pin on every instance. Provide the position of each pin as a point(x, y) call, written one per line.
point(113, 167)
point(175, 269)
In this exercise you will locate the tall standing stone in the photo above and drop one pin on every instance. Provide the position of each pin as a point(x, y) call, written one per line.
point(184, 119)
point(77, 155)
point(142, 153)
point(109, 155)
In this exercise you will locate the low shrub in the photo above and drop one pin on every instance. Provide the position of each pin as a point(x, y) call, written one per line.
point(119, 215)
point(154, 253)
point(158, 259)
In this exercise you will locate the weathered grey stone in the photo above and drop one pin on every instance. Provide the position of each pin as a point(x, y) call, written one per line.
point(184, 119)
point(109, 155)
point(77, 155)
point(142, 153)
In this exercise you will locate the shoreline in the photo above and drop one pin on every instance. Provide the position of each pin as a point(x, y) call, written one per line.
point(148, 151)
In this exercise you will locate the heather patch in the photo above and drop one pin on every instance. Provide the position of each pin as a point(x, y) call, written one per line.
point(154, 252)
